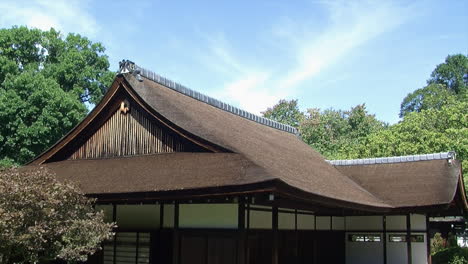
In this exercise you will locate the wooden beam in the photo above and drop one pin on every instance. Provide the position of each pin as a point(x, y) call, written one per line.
point(408, 239)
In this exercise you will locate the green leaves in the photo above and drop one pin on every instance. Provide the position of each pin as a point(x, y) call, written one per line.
point(44, 82)
point(453, 73)
point(448, 83)
point(286, 112)
point(43, 219)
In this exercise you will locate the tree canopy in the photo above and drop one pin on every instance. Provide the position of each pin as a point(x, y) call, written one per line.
point(434, 119)
point(286, 112)
point(45, 81)
point(335, 133)
point(42, 219)
point(448, 83)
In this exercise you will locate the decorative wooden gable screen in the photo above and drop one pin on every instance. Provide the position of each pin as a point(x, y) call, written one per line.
point(131, 131)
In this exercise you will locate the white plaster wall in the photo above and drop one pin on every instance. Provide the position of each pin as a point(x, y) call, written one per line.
point(397, 254)
point(323, 222)
point(363, 252)
point(208, 215)
point(396, 251)
point(168, 220)
point(108, 210)
point(418, 222)
point(144, 216)
point(305, 222)
point(364, 223)
point(338, 223)
point(260, 219)
point(419, 250)
point(396, 222)
point(286, 221)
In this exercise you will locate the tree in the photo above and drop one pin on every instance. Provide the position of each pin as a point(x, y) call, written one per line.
point(334, 133)
point(431, 130)
point(45, 81)
point(453, 73)
point(286, 112)
point(432, 96)
point(42, 219)
point(448, 82)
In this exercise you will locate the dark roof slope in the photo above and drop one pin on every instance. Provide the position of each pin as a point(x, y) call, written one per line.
point(408, 184)
point(159, 172)
point(282, 155)
point(262, 151)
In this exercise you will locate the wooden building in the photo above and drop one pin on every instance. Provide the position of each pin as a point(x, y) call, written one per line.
point(190, 179)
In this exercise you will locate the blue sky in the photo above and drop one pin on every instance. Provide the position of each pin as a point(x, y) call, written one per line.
point(252, 53)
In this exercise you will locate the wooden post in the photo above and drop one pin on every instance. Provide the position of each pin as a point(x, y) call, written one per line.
point(241, 227)
point(428, 241)
point(274, 222)
point(384, 225)
point(176, 238)
point(296, 238)
point(408, 239)
point(161, 216)
point(114, 219)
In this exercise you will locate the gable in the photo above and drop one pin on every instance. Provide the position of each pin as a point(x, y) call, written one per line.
point(123, 125)
point(130, 131)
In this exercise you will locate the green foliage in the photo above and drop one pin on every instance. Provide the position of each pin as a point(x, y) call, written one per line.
point(336, 133)
point(454, 255)
point(438, 243)
point(286, 112)
point(434, 120)
point(44, 82)
point(433, 96)
point(432, 130)
point(458, 260)
point(448, 83)
point(42, 219)
point(453, 73)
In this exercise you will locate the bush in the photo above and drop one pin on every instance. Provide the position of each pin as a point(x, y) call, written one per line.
point(453, 255)
point(42, 219)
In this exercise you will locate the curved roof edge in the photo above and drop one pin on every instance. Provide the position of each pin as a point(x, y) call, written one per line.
point(127, 66)
point(450, 155)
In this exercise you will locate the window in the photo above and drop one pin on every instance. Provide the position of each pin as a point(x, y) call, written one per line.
point(364, 238)
point(130, 247)
point(402, 238)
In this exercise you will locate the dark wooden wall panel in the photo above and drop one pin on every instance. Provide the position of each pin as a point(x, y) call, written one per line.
point(129, 134)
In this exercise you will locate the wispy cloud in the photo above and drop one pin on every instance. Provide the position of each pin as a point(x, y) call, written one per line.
point(255, 87)
point(246, 83)
point(352, 24)
point(64, 15)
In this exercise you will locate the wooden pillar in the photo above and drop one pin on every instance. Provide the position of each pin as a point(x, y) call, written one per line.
point(161, 216)
point(408, 239)
point(241, 230)
point(176, 237)
point(428, 241)
point(384, 225)
point(137, 246)
point(274, 221)
point(114, 219)
point(296, 238)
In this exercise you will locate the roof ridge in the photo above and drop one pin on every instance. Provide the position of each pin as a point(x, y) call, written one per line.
point(127, 66)
point(396, 159)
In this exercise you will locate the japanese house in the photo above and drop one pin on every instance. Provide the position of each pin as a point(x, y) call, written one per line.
point(190, 179)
